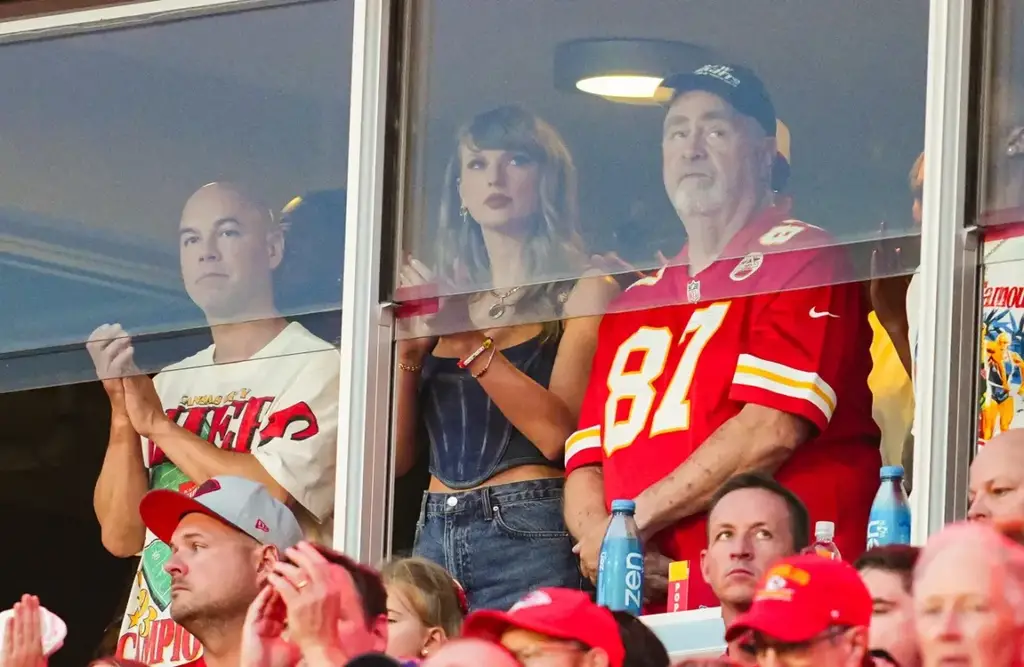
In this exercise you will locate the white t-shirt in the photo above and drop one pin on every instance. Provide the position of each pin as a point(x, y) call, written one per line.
point(1002, 313)
point(281, 405)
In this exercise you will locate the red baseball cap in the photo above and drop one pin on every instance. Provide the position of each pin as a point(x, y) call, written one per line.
point(560, 613)
point(803, 596)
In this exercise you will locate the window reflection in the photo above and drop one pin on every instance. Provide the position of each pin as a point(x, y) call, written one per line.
point(840, 171)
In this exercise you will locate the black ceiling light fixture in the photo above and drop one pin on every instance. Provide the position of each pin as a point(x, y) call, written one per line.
point(624, 70)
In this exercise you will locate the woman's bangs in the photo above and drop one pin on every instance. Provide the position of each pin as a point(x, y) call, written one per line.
point(497, 133)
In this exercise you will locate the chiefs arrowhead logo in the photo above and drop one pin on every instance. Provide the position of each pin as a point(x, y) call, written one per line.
point(260, 525)
point(747, 266)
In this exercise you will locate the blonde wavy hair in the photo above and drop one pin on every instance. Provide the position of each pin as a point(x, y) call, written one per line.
point(554, 247)
point(433, 595)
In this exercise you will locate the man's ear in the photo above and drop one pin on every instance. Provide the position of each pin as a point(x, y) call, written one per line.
point(266, 555)
point(859, 642)
point(703, 566)
point(275, 247)
point(596, 657)
point(767, 160)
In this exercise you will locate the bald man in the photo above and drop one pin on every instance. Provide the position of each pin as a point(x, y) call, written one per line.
point(259, 403)
point(997, 479)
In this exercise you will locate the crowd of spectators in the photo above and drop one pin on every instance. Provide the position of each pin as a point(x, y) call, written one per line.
point(256, 594)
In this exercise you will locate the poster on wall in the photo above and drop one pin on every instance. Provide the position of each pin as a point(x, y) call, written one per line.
point(1001, 390)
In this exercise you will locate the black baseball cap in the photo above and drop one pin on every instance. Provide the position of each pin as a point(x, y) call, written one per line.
point(735, 84)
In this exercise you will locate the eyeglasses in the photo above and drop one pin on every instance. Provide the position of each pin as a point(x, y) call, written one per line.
point(793, 653)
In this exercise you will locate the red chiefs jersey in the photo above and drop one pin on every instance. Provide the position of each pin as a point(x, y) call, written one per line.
point(665, 378)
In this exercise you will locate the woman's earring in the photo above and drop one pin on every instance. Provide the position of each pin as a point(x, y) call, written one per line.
point(464, 214)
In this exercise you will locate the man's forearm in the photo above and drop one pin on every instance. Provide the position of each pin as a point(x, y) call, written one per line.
point(584, 500)
point(201, 460)
point(758, 438)
point(119, 488)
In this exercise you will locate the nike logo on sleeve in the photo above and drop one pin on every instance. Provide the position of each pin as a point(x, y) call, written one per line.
point(818, 314)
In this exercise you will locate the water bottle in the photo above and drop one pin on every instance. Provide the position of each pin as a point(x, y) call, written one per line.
point(824, 544)
point(889, 521)
point(620, 570)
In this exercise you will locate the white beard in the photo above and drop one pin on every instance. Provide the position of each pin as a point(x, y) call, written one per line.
point(691, 199)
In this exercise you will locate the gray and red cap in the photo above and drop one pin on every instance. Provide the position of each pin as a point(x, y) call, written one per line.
point(238, 502)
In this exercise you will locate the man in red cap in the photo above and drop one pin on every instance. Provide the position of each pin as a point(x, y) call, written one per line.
point(563, 626)
point(808, 610)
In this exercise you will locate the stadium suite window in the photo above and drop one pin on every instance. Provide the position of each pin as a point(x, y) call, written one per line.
point(521, 167)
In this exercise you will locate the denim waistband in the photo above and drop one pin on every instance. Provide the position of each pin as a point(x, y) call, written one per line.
point(484, 500)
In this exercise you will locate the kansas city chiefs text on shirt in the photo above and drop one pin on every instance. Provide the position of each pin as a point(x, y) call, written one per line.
point(238, 422)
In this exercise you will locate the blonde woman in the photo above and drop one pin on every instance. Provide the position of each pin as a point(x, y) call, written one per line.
point(425, 607)
point(497, 403)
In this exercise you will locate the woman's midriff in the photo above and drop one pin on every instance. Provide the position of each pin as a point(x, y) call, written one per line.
point(517, 474)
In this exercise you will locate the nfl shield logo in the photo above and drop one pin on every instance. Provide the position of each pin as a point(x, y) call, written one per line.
point(693, 291)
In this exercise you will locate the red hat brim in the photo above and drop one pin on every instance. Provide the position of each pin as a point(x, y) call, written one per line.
point(162, 510)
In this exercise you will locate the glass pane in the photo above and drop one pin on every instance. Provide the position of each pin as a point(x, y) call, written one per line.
point(1002, 145)
point(560, 141)
point(105, 218)
point(603, 265)
point(173, 206)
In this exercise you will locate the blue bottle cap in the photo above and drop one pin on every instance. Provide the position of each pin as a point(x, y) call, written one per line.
point(623, 506)
point(889, 472)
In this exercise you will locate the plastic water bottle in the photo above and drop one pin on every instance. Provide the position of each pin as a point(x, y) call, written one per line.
point(889, 521)
point(620, 571)
point(824, 544)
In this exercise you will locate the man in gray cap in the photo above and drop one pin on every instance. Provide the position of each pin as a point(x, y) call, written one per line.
point(225, 536)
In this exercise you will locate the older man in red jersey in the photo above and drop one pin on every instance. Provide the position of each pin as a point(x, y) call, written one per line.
point(749, 351)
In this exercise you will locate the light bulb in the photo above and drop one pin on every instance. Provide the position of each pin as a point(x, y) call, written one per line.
point(620, 85)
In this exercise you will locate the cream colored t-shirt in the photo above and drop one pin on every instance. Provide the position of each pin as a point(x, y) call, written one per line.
point(281, 405)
